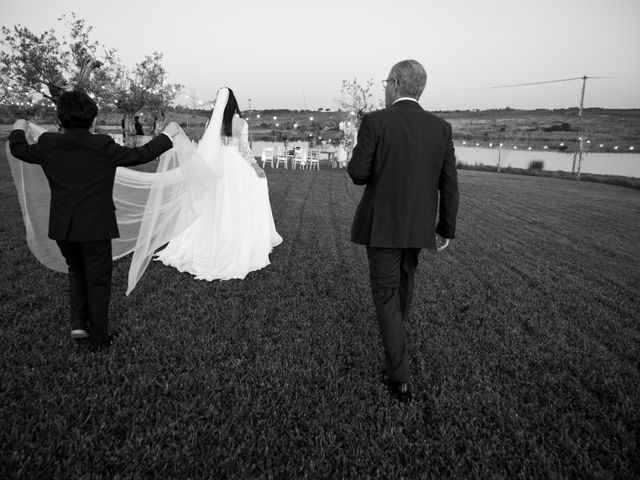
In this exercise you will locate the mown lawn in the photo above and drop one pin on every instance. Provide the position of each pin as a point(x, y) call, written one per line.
point(524, 336)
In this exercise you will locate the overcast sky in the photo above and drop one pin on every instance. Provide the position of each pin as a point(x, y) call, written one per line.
point(295, 53)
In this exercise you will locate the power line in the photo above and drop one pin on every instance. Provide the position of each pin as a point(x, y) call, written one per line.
point(534, 83)
point(557, 81)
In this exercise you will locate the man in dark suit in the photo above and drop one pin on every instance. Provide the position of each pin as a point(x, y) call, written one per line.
point(138, 126)
point(406, 159)
point(80, 167)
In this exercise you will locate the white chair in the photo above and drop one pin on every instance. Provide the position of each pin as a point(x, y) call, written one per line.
point(299, 158)
point(267, 156)
point(281, 158)
point(314, 159)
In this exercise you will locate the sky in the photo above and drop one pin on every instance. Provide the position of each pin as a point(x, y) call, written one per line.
point(296, 53)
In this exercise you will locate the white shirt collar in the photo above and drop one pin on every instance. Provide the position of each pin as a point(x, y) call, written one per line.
point(404, 98)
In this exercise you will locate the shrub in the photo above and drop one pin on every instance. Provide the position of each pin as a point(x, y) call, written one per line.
point(562, 127)
point(536, 165)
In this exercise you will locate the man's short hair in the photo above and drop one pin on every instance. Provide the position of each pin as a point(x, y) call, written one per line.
point(411, 78)
point(76, 109)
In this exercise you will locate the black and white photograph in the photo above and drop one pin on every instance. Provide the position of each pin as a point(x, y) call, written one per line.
point(297, 239)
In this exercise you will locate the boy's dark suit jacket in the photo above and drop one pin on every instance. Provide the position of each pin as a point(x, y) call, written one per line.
point(405, 157)
point(81, 168)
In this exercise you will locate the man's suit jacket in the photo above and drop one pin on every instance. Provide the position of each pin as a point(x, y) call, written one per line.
point(81, 168)
point(405, 157)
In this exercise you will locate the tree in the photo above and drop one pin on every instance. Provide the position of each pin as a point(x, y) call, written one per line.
point(10, 92)
point(5, 90)
point(20, 102)
point(46, 64)
point(152, 78)
point(145, 89)
point(358, 98)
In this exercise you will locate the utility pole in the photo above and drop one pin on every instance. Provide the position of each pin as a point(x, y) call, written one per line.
point(582, 132)
point(584, 85)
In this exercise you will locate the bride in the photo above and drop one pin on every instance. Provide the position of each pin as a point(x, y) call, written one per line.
point(235, 232)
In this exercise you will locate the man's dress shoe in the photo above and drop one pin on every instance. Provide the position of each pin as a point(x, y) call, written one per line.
point(400, 391)
point(79, 334)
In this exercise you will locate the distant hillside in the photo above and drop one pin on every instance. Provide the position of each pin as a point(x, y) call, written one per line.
point(556, 129)
point(551, 128)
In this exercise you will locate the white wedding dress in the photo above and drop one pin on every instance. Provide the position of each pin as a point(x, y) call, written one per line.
point(235, 232)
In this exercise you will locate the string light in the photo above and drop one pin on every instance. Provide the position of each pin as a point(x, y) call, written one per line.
point(630, 148)
point(43, 90)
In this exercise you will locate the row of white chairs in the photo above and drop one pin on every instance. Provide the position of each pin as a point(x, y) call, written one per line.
point(296, 157)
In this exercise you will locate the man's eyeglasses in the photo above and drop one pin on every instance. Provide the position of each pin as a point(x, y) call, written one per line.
point(386, 82)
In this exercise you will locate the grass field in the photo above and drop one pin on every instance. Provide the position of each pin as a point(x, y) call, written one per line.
point(524, 336)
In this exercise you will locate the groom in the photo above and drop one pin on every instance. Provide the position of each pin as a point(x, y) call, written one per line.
point(80, 168)
point(405, 157)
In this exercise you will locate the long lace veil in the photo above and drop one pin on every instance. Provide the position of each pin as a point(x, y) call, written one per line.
point(209, 146)
point(151, 208)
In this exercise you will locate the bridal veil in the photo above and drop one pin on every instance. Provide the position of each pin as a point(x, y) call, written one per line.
point(151, 207)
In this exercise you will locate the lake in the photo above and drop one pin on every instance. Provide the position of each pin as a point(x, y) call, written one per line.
point(623, 164)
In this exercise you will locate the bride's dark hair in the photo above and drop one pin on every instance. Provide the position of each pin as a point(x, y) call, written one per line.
point(229, 110)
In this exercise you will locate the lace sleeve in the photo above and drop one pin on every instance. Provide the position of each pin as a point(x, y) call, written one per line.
point(245, 148)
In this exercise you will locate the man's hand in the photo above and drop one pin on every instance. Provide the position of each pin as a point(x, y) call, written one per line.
point(20, 124)
point(441, 242)
point(172, 129)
